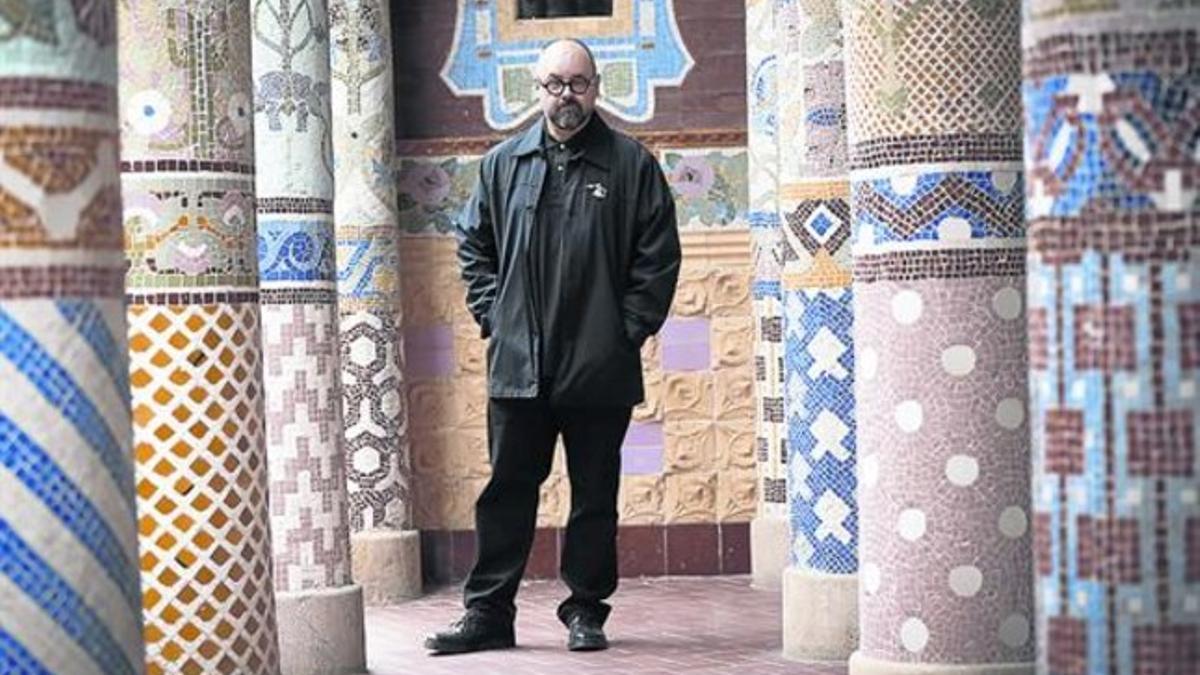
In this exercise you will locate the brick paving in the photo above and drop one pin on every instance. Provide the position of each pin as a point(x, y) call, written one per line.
point(702, 625)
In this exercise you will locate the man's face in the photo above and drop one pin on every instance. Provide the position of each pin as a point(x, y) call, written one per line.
point(564, 62)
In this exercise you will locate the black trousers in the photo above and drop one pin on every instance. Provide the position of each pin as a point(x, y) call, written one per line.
point(521, 440)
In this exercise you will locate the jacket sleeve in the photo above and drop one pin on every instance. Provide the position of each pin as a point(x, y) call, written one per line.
point(655, 266)
point(477, 252)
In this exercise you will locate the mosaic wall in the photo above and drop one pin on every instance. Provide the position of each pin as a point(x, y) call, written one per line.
point(650, 80)
point(709, 185)
point(638, 48)
point(814, 209)
point(763, 216)
point(1114, 333)
point(688, 456)
point(368, 272)
point(934, 129)
point(68, 539)
point(194, 337)
point(310, 532)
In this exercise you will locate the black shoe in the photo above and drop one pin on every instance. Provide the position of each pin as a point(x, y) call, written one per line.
point(586, 634)
point(472, 633)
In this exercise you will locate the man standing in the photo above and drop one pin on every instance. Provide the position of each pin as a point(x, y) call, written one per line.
point(570, 254)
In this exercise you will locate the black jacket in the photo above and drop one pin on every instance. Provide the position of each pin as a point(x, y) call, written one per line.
point(621, 263)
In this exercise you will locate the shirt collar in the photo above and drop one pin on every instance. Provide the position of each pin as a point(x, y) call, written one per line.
point(593, 140)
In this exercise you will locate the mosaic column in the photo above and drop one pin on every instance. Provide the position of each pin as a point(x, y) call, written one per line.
point(385, 548)
point(820, 586)
point(69, 596)
point(934, 145)
point(1112, 111)
point(769, 528)
point(193, 309)
point(320, 608)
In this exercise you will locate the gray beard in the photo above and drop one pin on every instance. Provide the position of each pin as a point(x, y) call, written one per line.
point(569, 117)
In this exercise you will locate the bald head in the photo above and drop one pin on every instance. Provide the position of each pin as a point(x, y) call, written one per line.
point(565, 52)
point(566, 71)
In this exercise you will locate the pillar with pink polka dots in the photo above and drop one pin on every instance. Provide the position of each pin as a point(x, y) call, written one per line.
point(937, 207)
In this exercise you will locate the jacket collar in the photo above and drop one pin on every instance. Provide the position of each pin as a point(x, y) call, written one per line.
point(594, 140)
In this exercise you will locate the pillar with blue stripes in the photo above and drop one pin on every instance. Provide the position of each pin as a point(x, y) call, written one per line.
point(69, 596)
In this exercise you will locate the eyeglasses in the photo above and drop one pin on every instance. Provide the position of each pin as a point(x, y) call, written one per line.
point(578, 84)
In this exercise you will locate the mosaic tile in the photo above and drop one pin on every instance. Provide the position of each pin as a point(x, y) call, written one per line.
point(310, 533)
point(933, 125)
point(709, 186)
point(68, 538)
point(818, 350)
point(195, 357)
point(202, 488)
point(493, 55)
point(369, 268)
point(1109, 97)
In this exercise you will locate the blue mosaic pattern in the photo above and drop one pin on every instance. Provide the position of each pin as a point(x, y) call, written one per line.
point(980, 205)
point(295, 250)
point(60, 389)
point(61, 602)
point(43, 478)
point(483, 63)
point(14, 660)
point(1114, 334)
point(367, 266)
point(89, 321)
point(819, 381)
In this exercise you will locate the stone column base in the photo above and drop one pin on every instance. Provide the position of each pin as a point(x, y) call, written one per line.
point(865, 665)
point(321, 631)
point(820, 615)
point(769, 541)
point(387, 564)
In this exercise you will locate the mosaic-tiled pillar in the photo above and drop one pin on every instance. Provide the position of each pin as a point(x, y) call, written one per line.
point(320, 608)
point(934, 144)
point(195, 359)
point(69, 597)
point(1112, 110)
point(820, 586)
point(769, 529)
point(386, 549)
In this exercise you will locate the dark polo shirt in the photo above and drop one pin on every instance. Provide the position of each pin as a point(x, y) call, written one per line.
point(564, 179)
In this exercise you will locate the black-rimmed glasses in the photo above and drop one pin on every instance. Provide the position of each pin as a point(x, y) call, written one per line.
point(578, 84)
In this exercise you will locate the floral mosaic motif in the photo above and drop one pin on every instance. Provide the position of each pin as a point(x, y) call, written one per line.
point(198, 233)
point(433, 192)
point(197, 53)
point(710, 189)
point(491, 56)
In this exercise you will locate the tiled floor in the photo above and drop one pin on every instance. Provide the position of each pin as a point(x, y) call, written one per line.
point(660, 625)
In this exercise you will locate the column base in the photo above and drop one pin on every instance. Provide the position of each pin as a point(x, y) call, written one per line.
point(820, 615)
point(769, 541)
point(387, 564)
point(321, 631)
point(865, 665)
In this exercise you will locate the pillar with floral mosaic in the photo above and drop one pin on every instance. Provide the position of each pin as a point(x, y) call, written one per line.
point(188, 169)
point(301, 366)
point(769, 536)
point(1112, 94)
point(385, 547)
point(934, 146)
point(820, 585)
